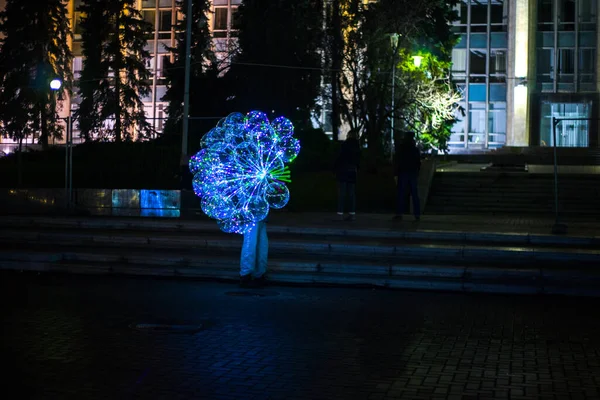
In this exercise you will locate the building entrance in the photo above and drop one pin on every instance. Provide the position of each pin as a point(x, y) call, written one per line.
point(568, 133)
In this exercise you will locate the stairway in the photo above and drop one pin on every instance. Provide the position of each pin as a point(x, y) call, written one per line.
point(513, 193)
point(531, 155)
point(429, 260)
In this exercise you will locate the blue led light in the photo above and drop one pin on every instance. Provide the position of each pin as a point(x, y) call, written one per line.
point(240, 171)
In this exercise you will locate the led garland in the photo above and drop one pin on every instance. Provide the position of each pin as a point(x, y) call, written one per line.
point(240, 171)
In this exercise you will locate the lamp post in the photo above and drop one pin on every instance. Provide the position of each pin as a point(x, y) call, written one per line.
point(394, 43)
point(186, 90)
point(55, 85)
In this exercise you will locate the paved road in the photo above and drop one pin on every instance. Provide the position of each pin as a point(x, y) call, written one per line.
point(70, 337)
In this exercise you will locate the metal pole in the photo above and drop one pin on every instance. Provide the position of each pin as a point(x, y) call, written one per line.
point(557, 228)
point(67, 167)
point(155, 66)
point(70, 133)
point(392, 150)
point(186, 92)
point(554, 123)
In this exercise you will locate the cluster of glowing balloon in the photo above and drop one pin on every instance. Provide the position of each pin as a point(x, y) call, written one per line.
point(240, 171)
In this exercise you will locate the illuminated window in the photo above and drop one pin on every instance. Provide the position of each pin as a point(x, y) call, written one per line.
point(225, 22)
point(566, 42)
point(77, 67)
point(221, 16)
point(479, 61)
point(459, 60)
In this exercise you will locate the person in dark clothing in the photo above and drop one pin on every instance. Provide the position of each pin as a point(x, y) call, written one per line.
point(346, 170)
point(408, 164)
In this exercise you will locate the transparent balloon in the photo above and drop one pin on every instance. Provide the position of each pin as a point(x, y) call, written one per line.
point(278, 194)
point(240, 171)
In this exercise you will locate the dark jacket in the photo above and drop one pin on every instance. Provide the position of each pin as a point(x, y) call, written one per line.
point(348, 161)
point(408, 159)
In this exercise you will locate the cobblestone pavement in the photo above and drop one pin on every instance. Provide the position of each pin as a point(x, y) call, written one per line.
point(71, 337)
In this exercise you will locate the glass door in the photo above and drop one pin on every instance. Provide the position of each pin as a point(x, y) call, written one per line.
point(569, 133)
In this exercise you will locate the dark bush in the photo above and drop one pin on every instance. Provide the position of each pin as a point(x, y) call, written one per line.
point(131, 165)
point(317, 151)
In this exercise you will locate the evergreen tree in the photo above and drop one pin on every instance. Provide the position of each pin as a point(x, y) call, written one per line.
point(33, 51)
point(204, 81)
point(114, 77)
point(278, 68)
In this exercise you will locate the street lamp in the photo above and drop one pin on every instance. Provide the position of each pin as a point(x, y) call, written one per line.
point(417, 61)
point(55, 84)
point(394, 43)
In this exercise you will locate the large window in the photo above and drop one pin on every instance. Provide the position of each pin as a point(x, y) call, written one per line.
point(163, 22)
point(566, 46)
point(479, 68)
point(224, 18)
point(224, 24)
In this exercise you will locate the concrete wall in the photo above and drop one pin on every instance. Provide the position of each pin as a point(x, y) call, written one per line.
point(116, 202)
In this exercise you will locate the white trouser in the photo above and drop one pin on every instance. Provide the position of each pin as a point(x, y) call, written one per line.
point(255, 251)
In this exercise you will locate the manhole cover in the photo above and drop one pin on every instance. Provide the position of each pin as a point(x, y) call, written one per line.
point(166, 328)
point(252, 293)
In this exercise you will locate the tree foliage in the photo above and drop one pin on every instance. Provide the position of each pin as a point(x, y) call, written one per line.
point(278, 67)
point(429, 101)
point(424, 98)
point(333, 50)
point(114, 77)
point(204, 71)
point(33, 51)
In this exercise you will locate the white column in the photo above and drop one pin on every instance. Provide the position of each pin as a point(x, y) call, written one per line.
point(517, 101)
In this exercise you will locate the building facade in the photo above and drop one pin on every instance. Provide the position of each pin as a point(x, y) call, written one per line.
point(518, 64)
point(163, 15)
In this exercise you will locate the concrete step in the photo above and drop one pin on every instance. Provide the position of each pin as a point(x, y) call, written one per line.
point(530, 206)
point(474, 278)
point(517, 192)
point(547, 186)
point(509, 181)
point(31, 227)
point(493, 198)
point(484, 210)
point(516, 197)
point(383, 249)
point(510, 202)
point(587, 188)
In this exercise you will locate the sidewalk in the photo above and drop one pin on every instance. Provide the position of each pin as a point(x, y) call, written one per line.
point(78, 337)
